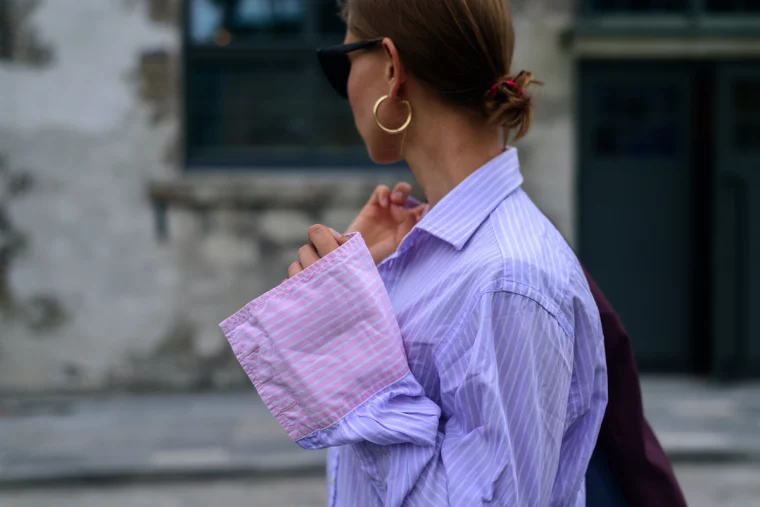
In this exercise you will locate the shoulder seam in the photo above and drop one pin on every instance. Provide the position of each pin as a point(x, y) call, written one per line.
point(507, 287)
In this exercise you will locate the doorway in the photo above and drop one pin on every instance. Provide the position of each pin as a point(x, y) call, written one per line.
point(646, 203)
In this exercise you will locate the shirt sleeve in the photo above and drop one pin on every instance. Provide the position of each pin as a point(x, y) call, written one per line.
point(326, 355)
point(525, 395)
point(325, 343)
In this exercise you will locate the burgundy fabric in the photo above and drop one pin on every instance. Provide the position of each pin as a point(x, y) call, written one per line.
point(634, 455)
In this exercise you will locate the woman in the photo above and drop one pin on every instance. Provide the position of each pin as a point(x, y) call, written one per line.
point(458, 361)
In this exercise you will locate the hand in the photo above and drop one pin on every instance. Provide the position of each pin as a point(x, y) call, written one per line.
point(385, 220)
point(322, 241)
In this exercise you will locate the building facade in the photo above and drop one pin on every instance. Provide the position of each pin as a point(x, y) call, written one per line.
point(669, 176)
point(161, 160)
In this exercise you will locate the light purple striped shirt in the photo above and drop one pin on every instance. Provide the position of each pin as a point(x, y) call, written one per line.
point(467, 369)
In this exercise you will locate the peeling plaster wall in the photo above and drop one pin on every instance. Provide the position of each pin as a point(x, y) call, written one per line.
point(89, 112)
point(91, 125)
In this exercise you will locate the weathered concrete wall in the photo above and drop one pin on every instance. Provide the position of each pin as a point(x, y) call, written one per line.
point(89, 113)
point(549, 161)
point(90, 124)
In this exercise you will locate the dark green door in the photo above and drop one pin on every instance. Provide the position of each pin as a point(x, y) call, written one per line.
point(736, 229)
point(635, 226)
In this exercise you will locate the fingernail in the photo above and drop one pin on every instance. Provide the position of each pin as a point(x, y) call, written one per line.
point(336, 233)
point(384, 201)
point(397, 196)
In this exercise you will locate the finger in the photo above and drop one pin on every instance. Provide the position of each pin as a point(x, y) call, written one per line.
point(340, 238)
point(413, 217)
point(323, 239)
point(399, 213)
point(294, 269)
point(403, 215)
point(401, 193)
point(419, 211)
point(307, 256)
point(381, 196)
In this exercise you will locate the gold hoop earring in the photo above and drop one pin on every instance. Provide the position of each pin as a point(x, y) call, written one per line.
point(386, 129)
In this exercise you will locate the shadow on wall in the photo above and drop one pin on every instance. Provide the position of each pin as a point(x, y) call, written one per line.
point(19, 42)
point(177, 364)
point(41, 312)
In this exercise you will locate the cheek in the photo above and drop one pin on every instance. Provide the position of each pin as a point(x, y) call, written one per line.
point(360, 98)
point(363, 91)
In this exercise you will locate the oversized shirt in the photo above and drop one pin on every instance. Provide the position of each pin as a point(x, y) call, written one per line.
point(466, 369)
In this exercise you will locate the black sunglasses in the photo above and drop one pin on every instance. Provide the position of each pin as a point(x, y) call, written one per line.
point(336, 64)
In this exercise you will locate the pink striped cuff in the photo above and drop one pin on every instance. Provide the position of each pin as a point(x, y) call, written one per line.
point(322, 343)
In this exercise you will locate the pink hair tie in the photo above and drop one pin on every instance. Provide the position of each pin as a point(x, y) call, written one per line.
point(509, 83)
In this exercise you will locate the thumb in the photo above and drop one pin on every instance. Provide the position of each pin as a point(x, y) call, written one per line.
point(407, 218)
point(400, 214)
point(340, 238)
point(407, 224)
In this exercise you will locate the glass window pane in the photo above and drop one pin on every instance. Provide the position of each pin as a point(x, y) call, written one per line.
point(745, 109)
point(329, 18)
point(747, 135)
point(635, 122)
point(733, 6)
point(746, 96)
point(639, 6)
point(251, 108)
point(224, 21)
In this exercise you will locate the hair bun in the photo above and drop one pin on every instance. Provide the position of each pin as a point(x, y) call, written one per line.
point(508, 103)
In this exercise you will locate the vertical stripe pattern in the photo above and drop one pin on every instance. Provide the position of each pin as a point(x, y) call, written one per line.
point(467, 369)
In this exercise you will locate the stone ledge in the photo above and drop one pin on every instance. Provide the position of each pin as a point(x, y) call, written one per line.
point(264, 191)
point(261, 191)
point(623, 37)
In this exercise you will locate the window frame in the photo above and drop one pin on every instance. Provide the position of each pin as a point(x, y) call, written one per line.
point(697, 21)
point(300, 45)
point(696, 11)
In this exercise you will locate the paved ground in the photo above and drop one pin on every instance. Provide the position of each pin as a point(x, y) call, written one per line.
point(704, 485)
point(305, 492)
point(701, 420)
point(225, 433)
point(727, 485)
point(144, 436)
point(226, 450)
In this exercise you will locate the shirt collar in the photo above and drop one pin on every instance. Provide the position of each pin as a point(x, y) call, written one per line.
point(461, 212)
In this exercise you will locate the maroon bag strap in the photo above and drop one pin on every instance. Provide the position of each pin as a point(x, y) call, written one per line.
point(635, 457)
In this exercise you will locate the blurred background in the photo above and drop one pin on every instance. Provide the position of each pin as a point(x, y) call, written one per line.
point(161, 160)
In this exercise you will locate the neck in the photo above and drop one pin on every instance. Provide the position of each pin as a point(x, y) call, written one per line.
point(445, 148)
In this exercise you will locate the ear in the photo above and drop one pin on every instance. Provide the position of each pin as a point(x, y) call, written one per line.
point(395, 74)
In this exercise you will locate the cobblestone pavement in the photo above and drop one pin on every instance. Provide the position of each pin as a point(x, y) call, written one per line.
point(704, 485)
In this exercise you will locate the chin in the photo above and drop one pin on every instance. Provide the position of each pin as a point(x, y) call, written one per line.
point(383, 159)
point(384, 155)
